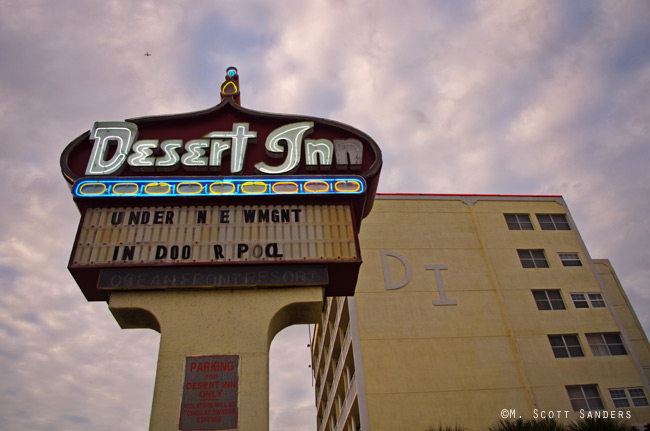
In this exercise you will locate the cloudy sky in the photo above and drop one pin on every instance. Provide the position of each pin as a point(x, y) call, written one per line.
point(498, 97)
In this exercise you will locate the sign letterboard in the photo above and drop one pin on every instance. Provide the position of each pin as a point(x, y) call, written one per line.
point(214, 234)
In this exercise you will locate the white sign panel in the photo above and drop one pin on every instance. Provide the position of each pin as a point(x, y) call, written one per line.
point(215, 234)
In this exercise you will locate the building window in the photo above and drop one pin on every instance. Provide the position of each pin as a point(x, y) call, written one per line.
point(580, 300)
point(565, 346)
point(570, 259)
point(619, 397)
point(553, 222)
point(532, 258)
point(606, 344)
point(596, 300)
point(585, 397)
point(621, 400)
point(548, 300)
point(518, 222)
point(638, 397)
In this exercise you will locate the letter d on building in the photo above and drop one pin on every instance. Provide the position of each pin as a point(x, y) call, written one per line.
point(384, 263)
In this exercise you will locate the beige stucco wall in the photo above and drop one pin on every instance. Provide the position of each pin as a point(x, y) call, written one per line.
point(462, 364)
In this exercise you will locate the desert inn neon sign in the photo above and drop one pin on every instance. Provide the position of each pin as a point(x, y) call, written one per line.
point(115, 146)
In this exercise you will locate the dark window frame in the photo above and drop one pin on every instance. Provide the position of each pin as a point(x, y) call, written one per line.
point(606, 344)
point(589, 397)
point(639, 400)
point(566, 346)
point(628, 397)
point(596, 300)
point(544, 301)
point(519, 222)
point(575, 298)
point(619, 398)
point(583, 300)
point(532, 258)
point(570, 259)
point(553, 222)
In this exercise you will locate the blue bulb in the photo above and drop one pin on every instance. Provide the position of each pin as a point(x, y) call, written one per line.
point(232, 72)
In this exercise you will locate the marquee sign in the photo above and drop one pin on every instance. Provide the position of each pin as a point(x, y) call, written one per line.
point(215, 234)
point(223, 187)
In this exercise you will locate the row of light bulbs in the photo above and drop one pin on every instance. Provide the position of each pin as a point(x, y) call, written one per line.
point(159, 187)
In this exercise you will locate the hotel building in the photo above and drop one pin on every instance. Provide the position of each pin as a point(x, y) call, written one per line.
point(471, 308)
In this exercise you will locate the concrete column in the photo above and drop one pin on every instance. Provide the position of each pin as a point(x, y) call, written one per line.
point(215, 322)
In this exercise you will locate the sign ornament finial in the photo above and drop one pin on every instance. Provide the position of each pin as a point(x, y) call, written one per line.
point(230, 87)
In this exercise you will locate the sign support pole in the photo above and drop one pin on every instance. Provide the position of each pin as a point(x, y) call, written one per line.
point(208, 323)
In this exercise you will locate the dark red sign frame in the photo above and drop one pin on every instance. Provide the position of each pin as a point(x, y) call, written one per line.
point(195, 125)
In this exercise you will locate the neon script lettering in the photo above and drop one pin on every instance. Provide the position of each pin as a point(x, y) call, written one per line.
point(115, 144)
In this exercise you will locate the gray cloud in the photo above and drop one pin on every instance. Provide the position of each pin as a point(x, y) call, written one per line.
point(462, 97)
